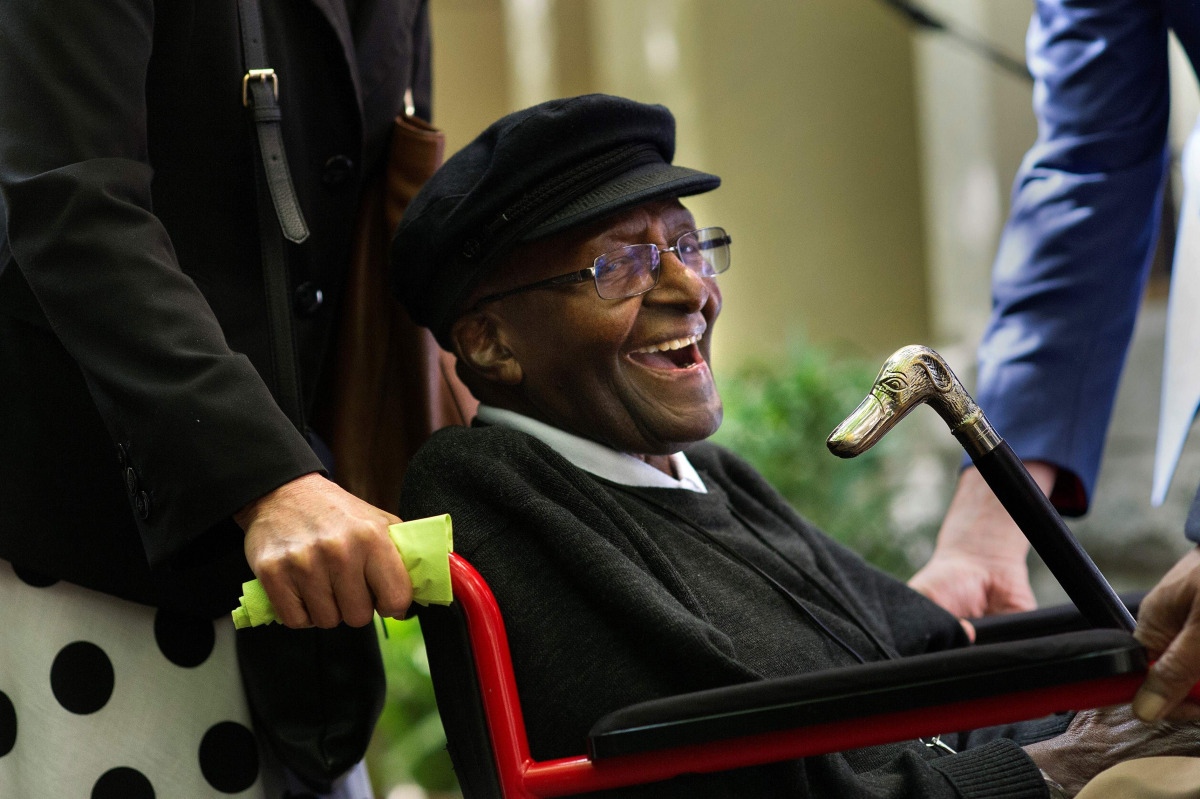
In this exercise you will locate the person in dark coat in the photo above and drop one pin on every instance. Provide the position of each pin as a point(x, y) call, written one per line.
point(632, 559)
point(144, 460)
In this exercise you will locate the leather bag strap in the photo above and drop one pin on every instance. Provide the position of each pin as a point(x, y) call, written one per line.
point(260, 93)
point(279, 214)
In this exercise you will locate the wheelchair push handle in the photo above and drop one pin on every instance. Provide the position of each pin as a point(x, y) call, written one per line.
point(916, 375)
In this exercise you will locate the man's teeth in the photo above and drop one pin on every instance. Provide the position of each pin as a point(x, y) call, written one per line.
point(675, 344)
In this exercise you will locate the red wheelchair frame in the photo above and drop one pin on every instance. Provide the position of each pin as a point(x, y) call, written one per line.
point(1106, 678)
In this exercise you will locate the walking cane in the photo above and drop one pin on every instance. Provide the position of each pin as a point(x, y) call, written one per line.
point(914, 375)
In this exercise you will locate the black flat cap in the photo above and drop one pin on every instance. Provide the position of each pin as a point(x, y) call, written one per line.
point(532, 174)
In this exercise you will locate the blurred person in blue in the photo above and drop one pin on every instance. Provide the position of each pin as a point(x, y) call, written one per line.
point(1067, 285)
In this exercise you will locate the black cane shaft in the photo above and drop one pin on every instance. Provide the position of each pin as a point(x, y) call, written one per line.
point(1051, 539)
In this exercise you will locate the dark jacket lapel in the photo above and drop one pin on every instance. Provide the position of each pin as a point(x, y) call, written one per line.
point(335, 14)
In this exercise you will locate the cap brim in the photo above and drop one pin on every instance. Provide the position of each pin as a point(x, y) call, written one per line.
point(649, 182)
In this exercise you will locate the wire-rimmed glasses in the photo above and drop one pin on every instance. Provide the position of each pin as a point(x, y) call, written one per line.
point(633, 270)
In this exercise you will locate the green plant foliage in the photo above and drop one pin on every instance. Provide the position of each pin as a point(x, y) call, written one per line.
point(778, 415)
point(409, 746)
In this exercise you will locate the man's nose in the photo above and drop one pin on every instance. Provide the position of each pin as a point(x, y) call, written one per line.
point(679, 284)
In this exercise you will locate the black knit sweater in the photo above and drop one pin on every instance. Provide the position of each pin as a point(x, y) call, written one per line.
point(614, 595)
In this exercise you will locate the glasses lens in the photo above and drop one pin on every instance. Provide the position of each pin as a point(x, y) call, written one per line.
point(627, 272)
point(706, 251)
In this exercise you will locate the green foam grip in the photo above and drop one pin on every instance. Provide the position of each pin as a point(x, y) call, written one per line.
point(424, 545)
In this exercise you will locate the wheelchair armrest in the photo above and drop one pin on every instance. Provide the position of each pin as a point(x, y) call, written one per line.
point(1041, 622)
point(805, 716)
point(860, 692)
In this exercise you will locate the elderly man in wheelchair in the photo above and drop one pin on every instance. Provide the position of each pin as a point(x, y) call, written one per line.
point(631, 559)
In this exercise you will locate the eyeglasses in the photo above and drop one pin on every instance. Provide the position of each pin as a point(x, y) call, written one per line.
point(634, 270)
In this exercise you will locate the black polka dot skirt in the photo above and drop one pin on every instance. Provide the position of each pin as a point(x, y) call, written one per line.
point(101, 698)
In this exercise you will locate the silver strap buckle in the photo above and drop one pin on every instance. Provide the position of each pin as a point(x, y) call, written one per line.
point(262, 75)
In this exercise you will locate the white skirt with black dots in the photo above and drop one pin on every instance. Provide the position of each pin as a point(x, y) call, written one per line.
point(101, 698)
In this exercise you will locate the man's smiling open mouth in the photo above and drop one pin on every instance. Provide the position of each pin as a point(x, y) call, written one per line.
point(679, 353)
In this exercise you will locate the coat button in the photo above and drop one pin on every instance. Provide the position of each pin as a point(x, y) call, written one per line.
point(141, 505)
point(131, 481)
point(308, 299)
point(338, 170)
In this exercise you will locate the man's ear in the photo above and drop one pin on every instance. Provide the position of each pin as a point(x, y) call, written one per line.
point(480, 345)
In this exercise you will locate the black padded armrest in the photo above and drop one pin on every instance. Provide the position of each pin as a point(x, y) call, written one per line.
point(862, 691)
point(1043, 621)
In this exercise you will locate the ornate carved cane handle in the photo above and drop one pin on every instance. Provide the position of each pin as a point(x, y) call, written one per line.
point(911, 376)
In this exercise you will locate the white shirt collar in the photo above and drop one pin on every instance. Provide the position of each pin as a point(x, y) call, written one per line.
point(595, 458)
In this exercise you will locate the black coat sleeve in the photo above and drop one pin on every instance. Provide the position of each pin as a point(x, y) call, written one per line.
point(196, 420)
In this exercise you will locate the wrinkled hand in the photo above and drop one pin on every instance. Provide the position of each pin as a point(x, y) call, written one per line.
point(978, 567)
point(1098, 739)
point(1169, 627)
point(323, 555)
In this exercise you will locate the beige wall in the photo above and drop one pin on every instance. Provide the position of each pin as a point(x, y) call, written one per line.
point(976, 123)
point(470, 82)
point(806, 110)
